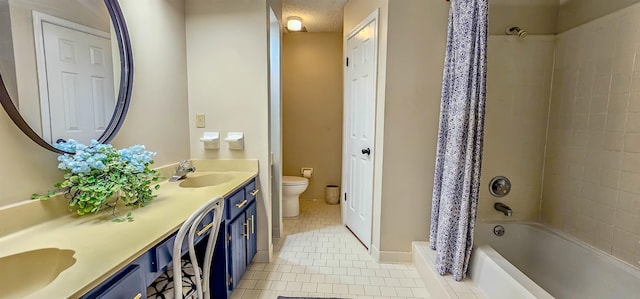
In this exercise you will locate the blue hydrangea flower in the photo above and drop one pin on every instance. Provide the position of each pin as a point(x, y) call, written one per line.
point(97, 156)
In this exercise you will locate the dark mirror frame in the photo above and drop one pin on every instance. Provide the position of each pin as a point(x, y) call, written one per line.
point(124, 94)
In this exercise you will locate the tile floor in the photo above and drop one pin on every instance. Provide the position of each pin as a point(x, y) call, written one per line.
point(319, 257)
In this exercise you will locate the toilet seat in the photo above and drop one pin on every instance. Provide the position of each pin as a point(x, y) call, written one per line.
point(294, 181)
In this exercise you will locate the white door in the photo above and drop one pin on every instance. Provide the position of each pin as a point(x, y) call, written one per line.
point(360, 107)
point(80, 88)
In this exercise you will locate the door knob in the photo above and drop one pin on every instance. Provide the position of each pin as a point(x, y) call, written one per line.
point(366, 151)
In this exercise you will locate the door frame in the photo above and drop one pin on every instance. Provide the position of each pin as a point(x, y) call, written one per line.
point(275, 123)
point(41, 61)
point(374, 16)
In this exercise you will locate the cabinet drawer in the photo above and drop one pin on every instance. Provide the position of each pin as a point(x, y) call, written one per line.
point(164, 251)
point(127, 284)
point(251, 191)
point(236, 204)
point(163, 254)
point(203, 229)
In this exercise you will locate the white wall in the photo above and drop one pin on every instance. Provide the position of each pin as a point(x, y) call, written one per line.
point(157, 116)
point(227, 62)
point(410, 66)
point(415, 60)
point(30, 168)
point(7, 60)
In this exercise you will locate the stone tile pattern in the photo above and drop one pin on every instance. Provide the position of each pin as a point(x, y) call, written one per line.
point(319, 257)
point(592, 167)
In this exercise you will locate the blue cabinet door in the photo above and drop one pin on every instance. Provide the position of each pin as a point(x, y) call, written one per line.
point(252, 243)
point(236, 246)
point(125, 284)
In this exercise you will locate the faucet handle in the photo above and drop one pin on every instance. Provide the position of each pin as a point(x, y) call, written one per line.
point(184, 164)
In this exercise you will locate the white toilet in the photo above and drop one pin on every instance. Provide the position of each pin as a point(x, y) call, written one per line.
point(292, 187)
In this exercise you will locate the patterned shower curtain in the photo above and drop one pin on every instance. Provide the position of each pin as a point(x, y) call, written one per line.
point(459, 153)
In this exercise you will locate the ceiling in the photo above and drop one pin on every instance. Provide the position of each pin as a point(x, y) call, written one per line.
point(317, 15)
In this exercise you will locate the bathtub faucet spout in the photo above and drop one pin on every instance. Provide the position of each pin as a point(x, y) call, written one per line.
point(506, 210)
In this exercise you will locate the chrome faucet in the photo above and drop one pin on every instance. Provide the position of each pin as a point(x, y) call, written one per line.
point(181, 172)
point(506, 210)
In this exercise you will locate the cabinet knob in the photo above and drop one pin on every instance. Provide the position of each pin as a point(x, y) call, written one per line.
point(138, 296)
point(254, 192)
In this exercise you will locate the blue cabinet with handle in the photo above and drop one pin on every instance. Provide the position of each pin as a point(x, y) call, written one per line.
point(127, 283)
point(241, 233)
point(252, 241)
point(252, 210)
point(235, 249)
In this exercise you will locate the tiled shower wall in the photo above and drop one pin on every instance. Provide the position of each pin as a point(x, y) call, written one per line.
point(518, 86)
point(592, 164)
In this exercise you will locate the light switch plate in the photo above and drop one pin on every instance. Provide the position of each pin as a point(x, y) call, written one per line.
point(200, 122)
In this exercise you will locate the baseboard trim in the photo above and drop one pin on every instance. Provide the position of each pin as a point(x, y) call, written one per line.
point(262, 256)
point(375, 253)
point(395, 257)
point(313, 199)
point(277, 232)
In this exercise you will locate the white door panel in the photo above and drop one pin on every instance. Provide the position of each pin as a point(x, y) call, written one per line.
point(360, 101)
point(80, 87)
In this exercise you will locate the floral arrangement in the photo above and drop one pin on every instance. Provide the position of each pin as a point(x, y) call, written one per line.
point(99, 175)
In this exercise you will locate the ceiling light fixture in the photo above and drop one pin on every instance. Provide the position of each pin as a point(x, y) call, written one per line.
point(294, 23)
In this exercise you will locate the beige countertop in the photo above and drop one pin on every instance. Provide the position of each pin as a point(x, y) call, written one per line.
point(101, 246)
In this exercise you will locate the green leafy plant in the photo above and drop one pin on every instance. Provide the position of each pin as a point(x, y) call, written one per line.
point(98, 176)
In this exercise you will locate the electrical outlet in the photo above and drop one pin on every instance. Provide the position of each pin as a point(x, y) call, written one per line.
point(200, 123)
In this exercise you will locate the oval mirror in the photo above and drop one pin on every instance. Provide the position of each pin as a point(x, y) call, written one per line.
point(66, 69)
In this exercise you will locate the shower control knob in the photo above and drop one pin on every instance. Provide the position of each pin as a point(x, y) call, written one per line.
point(366, 151)
point(499, 186)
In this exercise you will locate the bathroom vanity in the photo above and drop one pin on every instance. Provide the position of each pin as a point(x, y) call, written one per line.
point(119, 260)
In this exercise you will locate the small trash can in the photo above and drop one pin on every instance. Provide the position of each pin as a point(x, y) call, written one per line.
point(332, 194)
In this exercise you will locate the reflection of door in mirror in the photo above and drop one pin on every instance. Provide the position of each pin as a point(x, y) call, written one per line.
point(75, 78)
point(60, 100)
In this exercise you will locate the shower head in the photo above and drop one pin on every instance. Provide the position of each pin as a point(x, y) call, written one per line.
point(515, 30)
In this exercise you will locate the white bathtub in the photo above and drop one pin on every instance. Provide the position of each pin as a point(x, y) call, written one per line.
point(532, 261)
